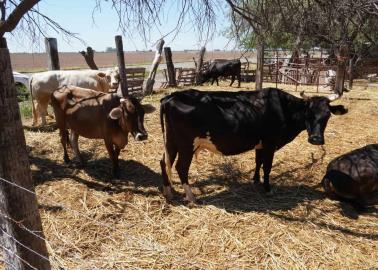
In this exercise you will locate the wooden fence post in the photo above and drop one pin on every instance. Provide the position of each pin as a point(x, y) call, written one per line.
point(155, 63)
point(14, 167)
point(260, 66)
point(89, 58)
point(52, 53)
point(170, 67)
point(342, 56)
point(200, 63)
point(350, 73)
point(121, 65)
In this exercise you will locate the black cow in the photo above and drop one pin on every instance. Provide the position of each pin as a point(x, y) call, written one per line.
point(231, 123)
point(353, 176)
point(222, 68)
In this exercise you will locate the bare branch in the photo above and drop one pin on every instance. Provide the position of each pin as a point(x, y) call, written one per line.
point(2, 9)
point(14, 18)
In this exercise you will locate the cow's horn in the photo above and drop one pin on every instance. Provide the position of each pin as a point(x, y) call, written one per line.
point(122, 100)
point(333, 97)
point(304, 96)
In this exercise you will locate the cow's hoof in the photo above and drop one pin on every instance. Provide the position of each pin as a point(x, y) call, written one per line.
point(115, 173)
point(267, 189)
point(190, 200)
point(167, 193)
point(66, 160)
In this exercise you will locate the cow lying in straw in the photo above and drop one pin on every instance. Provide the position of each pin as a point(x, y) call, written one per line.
point(353, 176)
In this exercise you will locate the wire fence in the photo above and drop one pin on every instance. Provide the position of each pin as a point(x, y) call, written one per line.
point(145, 245)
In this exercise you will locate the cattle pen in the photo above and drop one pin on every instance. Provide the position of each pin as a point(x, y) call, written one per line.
point(94, 222)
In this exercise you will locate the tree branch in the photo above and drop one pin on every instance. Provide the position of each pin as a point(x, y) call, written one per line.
point(2, 8)
point(14, 18)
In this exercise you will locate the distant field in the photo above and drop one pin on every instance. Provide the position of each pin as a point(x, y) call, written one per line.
point(32, 62)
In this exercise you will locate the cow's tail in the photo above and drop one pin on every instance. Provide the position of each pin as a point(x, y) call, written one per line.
point(163, 123)
point(34, 111)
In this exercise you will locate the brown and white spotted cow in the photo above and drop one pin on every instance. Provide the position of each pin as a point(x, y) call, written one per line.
point(353, 176)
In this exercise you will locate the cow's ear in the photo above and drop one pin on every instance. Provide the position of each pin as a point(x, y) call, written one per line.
point(148, 108)
point(116, 113)
point(101, 74)
point(338, 109)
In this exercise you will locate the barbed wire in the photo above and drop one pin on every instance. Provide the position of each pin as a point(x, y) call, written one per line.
point(80, 214)
point(24, 246)
point(7, 263)
point(144, 244)
point(21, 259)
point(21, 226)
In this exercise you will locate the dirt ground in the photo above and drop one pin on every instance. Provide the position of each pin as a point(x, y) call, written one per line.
point(94, 222)
point(35, 62)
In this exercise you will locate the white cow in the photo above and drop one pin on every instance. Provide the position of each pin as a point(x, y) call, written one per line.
point(43, 84)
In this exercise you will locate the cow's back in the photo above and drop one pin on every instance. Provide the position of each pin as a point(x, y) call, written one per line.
point(359, 164)
point(44, 83)
point(85, 111)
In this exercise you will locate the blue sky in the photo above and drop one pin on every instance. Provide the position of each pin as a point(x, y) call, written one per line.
point(76, 15)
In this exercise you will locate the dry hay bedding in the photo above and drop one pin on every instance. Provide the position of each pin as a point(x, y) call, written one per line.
point(128, 225)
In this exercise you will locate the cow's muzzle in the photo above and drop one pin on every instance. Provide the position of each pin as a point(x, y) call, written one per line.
point(316, 140)
point(141, 137)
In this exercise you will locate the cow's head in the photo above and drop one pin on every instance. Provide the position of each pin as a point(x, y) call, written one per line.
point(112, 77)
point(203, 77)
point(318, 111)
point(130, 114)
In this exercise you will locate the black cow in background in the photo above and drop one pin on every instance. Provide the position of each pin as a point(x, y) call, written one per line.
point(230, 123)
point(353, 177)
point(222, 68)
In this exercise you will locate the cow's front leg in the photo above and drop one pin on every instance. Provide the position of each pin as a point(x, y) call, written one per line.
point(217, 81)
point(182, 167)
point(64, 140)
point(113, 154)
point(259, 161)
point(267, 166)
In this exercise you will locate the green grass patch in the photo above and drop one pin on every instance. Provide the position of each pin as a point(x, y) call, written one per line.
point(25, 109)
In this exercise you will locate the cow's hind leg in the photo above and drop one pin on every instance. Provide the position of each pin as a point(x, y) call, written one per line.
point(232, 79)
point(182, 167)
point(166, 168)
point(35, 113)
point(42, 110)
point(259, 161)
point(267, 166)
point(74, 138)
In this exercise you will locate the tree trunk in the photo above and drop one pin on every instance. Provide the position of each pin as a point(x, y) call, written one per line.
point(342, 57)
point(52, 54)
point(121, 65)
point(260, 66)
point(170, 67)
point(155, 63)
point(89, 58)
point(15, 167)
point(350, 73)
point(199, 64)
